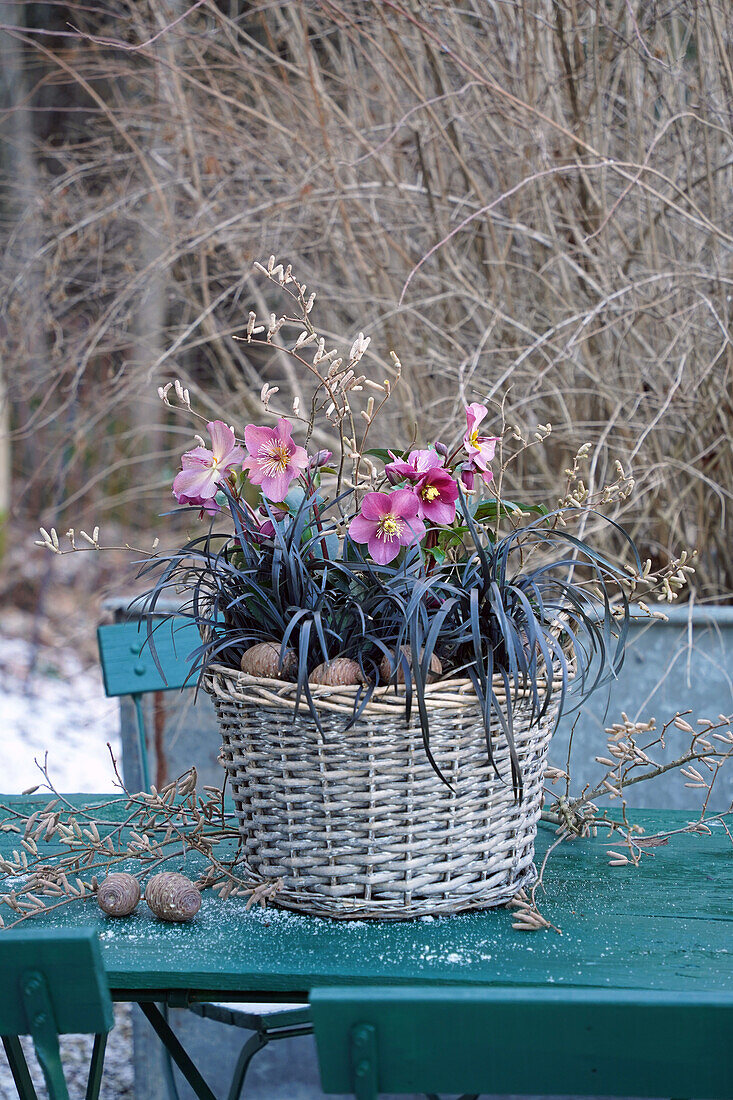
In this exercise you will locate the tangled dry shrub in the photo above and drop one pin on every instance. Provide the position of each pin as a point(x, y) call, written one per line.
point(531, 204)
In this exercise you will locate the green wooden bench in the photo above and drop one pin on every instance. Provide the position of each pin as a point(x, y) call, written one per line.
point(129, 668)
point(53, 983)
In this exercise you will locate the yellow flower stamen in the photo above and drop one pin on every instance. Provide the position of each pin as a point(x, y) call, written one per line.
point(389, 527)
point(430, 492)
point(273, 458)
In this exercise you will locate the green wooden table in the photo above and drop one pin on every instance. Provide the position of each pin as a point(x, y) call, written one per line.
point(643, 971)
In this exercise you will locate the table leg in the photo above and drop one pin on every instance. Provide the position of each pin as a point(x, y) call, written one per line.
point(170, 1041)
point(168, 1074)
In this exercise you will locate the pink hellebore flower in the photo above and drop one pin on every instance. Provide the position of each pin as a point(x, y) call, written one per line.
point(436, 494)
point(387, 522)
point(480, 448)
point(273, 460)
point(203, 469)
point(417, 464)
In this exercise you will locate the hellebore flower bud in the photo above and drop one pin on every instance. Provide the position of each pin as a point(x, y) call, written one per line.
point(468, 477)
point(321, 458)
point(278, 513)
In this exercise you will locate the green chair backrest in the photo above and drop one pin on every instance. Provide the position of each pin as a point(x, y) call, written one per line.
point(70, 965)
point(523, 1040)
point(128, 665)
point(130, 668)
point(52, 983)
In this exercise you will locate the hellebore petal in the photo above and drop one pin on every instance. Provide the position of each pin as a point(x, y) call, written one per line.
point(362, 529)
point(387, 522)
point(273, 460)
point(413, 531)
point(383, 551)
point(468, 477)
point(475, 414)
point(375, 505)
point(403, 503)
point(411, 469)
point(436, 495)
point(255, 437)
point(198, 483)
point(227, 451)
point(199, 456)
point(202, 469)
point(320, 458)
point(479, 448)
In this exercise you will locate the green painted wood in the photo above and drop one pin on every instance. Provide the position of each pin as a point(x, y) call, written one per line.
point(361, 1057)
point(35, 1000)
point(599, 1042)
point(666, 927)
point(128, 665)
point(53, 982)
point(68, 962)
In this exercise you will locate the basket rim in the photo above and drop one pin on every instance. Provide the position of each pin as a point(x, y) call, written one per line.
point(445, 694)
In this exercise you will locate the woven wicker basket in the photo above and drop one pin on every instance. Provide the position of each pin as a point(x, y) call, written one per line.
point(356, 823)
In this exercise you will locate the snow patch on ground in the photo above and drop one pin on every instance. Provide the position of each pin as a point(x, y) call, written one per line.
point(50, 703)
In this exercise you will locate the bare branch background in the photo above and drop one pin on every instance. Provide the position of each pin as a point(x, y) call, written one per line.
point(528, 202)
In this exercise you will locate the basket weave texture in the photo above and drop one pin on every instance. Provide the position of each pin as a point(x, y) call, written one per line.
point(355, 822)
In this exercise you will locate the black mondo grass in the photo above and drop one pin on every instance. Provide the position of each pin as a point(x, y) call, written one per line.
point(539, 609)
